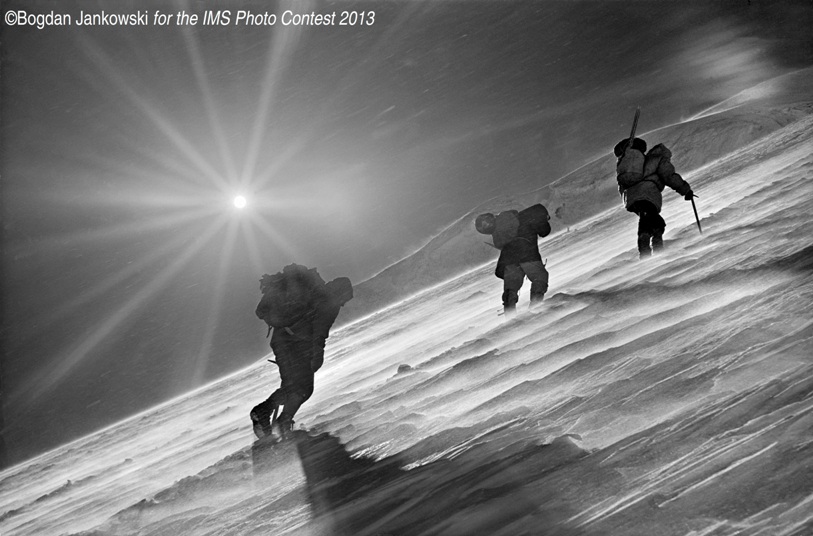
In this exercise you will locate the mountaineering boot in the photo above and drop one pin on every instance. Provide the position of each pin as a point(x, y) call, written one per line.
point(509, 302)
point(260, 424)
point(644, 250)
point(536, 300)
point(261, 418)
point(657, 243)
point(509, 310)
point(283, 426)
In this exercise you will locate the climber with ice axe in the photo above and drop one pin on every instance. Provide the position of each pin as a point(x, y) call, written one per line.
point(642, 177)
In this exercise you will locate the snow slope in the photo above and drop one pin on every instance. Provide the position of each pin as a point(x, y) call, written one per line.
point(695, 143)
point(672, 396)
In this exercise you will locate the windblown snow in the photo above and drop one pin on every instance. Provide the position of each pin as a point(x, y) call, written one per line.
point(672, 396)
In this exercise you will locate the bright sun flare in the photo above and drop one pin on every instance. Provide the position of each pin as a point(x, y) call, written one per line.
point(239, 201)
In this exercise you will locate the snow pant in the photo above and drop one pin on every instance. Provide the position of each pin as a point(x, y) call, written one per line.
point(514, 276)
point(293, 356)
point(651, 227)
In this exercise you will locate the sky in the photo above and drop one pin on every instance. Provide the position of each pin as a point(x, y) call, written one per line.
point(128, 274)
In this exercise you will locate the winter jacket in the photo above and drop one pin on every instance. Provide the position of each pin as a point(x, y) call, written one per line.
point(314, 327)
point(533, 223)
point(658, 172)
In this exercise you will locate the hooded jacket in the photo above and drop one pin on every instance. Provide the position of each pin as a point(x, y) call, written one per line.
point(658, 172)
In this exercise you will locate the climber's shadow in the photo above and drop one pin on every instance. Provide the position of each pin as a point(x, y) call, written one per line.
point(333, 478)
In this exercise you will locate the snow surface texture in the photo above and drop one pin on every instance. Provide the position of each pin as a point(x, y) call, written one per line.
point(659, 397)
point(592, 188)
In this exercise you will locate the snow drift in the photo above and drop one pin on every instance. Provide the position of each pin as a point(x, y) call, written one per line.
point(585, 192)
point(672, 396)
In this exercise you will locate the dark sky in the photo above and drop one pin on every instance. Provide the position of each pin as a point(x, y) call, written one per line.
point(128, 275)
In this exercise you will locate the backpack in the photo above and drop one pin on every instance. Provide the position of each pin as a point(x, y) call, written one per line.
point(630, 166)
point(287, 295)
point(538, 218)
point(506, 226)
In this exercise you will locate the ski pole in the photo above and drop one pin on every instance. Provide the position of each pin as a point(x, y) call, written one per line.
point(696, 217)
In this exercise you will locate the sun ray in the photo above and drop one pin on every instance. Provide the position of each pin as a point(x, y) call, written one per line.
point(198, 66)
point(276, 238)
point(173, 165)
point(280, 51)
point(250, 241)
point(288, 153)
point(138, 196)
point(112, 233)
point(134, 198)
point(375, 56)
point(110, 282)
point(176, 171)
point(107, 66)
point(198, 368)
point(288, 205)
point(42, 382)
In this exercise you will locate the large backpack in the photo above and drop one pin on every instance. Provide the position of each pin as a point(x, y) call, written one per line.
point(287, 295)
point(506, 226)
point(538, 218)
point(630, 166)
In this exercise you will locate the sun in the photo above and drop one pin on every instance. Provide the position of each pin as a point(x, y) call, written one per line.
point(240, 202)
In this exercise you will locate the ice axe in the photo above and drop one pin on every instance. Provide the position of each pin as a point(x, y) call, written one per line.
point(696, 217)
point(634, 126)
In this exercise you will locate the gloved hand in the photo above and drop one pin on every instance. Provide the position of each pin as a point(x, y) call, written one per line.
point(689, 195)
